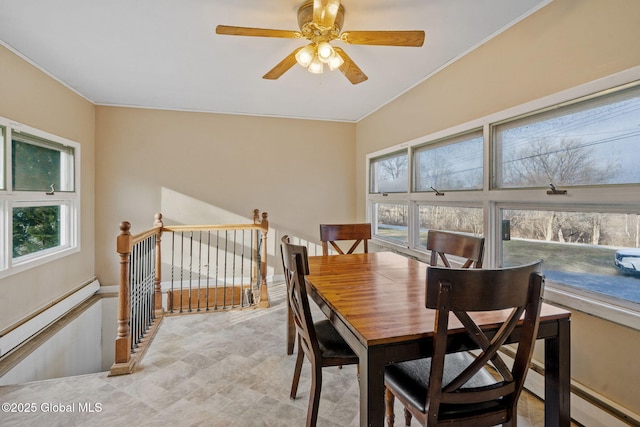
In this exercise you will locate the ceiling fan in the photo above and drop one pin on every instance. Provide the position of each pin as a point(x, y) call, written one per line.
point(320, 22)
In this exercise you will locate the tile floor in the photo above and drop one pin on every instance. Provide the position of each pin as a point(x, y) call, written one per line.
point(212, 369)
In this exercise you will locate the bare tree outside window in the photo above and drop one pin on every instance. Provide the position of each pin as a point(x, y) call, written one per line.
point(454, 166)
point(558, 161)
point(449, 218)
point(590, 143)
point(389, 174)
point(392, 222)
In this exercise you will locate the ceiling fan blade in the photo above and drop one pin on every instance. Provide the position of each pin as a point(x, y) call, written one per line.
point(350, 69)
point(283, 66)
point(325, 12)
point(256, 32)
point(384, 38)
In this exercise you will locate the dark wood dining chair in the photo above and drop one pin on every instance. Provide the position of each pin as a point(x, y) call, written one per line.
point(318, 341)
point(332, 233)
point(291, 330)
point(453, 387)
point(443, 243)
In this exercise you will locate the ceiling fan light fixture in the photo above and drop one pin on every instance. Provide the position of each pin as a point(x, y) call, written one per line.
point(316, 66)
point(320, 23)
point(305, 55)
point(325, 52)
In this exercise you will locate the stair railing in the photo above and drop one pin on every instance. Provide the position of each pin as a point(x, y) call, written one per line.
point(212, 267)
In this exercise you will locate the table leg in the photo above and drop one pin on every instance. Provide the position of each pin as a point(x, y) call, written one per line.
point(372, 404)
point(557, 384)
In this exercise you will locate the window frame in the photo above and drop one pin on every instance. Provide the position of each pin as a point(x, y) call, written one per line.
point(385, 156)
point(69, 200)
point(418, 204)
point(549, 113)
point(438, 144)
point(389, 240)
point(614, 198)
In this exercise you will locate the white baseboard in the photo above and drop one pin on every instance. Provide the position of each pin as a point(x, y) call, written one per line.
point(17, 336)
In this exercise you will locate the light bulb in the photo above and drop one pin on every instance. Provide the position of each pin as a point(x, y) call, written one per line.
point(325, 52)
point(305, 55)
point(316, 66)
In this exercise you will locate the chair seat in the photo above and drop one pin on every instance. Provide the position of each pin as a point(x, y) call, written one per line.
point(331, 344)
point(410, 381)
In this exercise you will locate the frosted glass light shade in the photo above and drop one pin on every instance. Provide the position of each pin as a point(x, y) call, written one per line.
point(316, 66)
point(325, 52)
point(305, 55)
point(335, 62)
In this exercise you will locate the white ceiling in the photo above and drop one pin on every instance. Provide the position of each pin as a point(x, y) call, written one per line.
point(165, 53)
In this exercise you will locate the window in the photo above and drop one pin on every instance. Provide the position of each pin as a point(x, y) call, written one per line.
point(457, 165)
point(38, 197)
point(593, 142)
point(457, 219)
point(557, 179)
point(392, 222)
point(389, 174)
point(578, 248)
point(40, 165)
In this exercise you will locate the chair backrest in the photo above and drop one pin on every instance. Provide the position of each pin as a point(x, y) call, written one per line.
point(462, 292)
point(331, 233)
point(441, 243)
point(296, 266)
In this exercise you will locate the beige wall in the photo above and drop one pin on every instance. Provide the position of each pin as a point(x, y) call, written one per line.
point(31, 97)
point(199, 168)
point(204, 167)
point(565, 44)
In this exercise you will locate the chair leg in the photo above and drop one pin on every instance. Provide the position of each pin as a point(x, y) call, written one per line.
point(407, 417)
point(296, 373)
point(314, 395)
point(512, 420)
point(389, 401)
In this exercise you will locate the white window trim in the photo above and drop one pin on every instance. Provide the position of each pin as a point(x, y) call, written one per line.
point(609, 200)
point(10, 199)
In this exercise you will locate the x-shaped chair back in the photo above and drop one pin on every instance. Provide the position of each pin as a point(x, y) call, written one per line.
point(332, 233)
point(443, 243)
point(465, 293)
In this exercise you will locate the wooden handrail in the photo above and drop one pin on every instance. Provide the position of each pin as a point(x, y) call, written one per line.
point(123, 361)
point(211, 227)
point(129, 349)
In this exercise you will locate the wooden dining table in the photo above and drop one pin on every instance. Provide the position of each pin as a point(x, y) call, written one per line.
point(376, 301)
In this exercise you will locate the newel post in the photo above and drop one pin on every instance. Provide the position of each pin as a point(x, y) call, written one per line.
point(264, 292)
point(157, 293)
point(123, 337)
